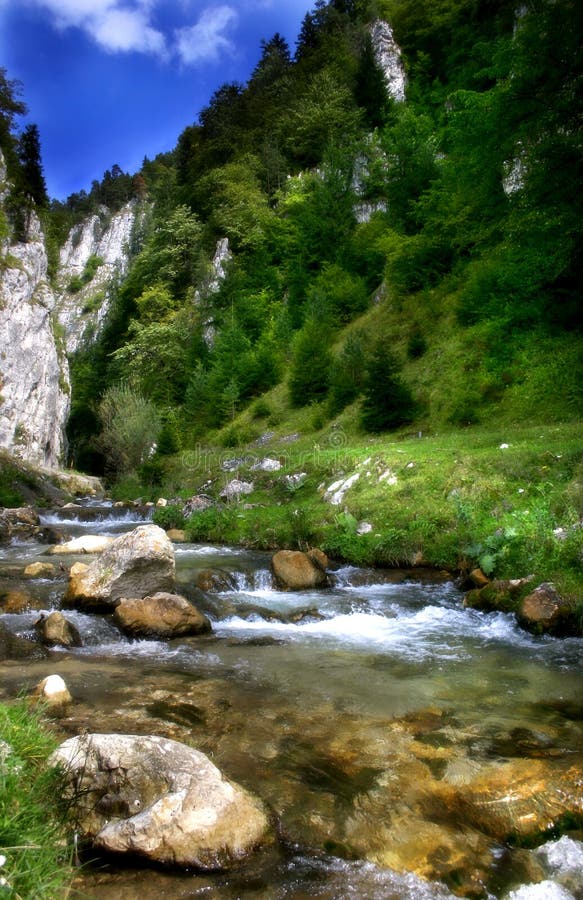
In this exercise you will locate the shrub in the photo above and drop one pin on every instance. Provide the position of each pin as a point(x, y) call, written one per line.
point(130, 428)
point(169, 517)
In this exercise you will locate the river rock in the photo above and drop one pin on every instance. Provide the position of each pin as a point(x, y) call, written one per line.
point(478, 579)
point(159, 799)
point(177, 535)
point(56, 630)
point(137, 564)
point(22, 522)
point(53, 691)
point(215, 581)
point(87, 543)
point(40, 570)
point(295, 570)
point(161, 615)
point(498, 596)
point(544, 611)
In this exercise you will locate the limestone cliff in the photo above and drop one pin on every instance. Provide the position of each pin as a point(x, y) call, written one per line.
point(34, 375)
point(388, 58)
point(94, 256)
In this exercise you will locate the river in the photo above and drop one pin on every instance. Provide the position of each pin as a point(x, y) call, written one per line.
point(368, 717)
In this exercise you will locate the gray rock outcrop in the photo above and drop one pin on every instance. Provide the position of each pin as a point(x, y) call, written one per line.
point(137, 564)
point(105, 239)
point(34, 374)
point(159, 799)
point(388, 57)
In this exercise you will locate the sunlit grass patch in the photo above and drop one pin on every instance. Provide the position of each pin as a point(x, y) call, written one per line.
point(34, 849)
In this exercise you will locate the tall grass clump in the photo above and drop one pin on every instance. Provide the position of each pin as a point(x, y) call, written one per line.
point(34, 852)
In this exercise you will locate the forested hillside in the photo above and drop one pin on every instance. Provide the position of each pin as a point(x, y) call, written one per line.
point(400, 262)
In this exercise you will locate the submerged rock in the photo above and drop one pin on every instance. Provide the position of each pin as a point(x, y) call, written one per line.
point(137, 564)
point(161, 615)
point(215, 581)
point(40, 570)
point(159, 799)
point(297, 571)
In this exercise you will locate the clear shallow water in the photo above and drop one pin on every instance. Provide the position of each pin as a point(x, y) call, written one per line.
point(309, 699)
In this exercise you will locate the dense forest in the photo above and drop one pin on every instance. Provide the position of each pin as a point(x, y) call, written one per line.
point(415, 261)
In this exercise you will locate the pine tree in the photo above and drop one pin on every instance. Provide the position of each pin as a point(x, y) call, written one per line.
point(32, 181)
point(387, 401)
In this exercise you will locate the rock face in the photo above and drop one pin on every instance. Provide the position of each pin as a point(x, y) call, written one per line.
point(162, 615)
point(159, 799)
point(298, 571)
point(34, 374)
point(104, 239)
point(388, 58)
point(137, 564)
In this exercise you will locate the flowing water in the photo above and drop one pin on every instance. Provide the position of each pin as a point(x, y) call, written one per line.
point(363, 715)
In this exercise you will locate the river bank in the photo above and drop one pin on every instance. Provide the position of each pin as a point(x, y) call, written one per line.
point(363, 715)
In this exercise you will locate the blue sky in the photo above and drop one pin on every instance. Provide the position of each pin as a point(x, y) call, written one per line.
point(112, 81)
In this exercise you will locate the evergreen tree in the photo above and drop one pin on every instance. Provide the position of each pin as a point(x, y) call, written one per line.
point(387, 401)
point(31, 180)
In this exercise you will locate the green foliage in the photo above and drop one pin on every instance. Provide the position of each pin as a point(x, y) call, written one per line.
point(33, 837)
point(11, 480)
point(341, 295)
point(130, 426)
point(212, 524)
point(77, 282)
point(168, 517)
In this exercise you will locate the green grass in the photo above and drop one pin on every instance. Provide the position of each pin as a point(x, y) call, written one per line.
point(33, 837)
point(507, 499)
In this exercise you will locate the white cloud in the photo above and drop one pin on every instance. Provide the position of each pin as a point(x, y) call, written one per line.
point(116, 25)
point(206, 40)
point(123, 30)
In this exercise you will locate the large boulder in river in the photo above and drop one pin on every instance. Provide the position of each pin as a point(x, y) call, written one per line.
point(163, 615)
point(137, 564)
point(298, 571)
point(544, 611)
point(159, 799)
